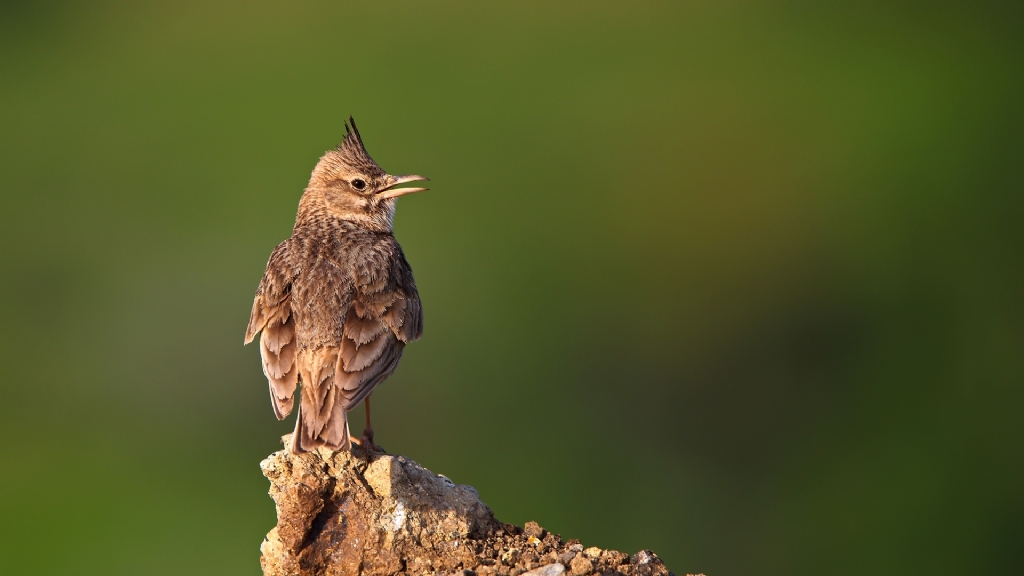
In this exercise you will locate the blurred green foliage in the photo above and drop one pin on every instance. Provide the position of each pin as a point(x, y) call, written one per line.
point(738, 282)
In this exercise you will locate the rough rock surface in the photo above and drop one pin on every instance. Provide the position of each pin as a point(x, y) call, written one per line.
point(374, 514)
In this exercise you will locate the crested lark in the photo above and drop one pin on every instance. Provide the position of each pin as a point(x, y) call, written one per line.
point(337, 303)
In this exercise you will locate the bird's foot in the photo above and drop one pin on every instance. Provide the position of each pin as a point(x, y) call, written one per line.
point(367, 442)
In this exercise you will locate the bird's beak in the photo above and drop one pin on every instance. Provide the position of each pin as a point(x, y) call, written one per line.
point(392, 192)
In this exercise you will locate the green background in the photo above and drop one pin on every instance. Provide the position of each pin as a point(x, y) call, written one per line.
point(738, 282)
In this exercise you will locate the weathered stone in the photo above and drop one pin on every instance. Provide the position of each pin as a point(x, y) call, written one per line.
point(647, 563)
point(349, 514)
point(554, 569)
point(510, 557)
point(580, 565)
point(614, 557)
point(533, 529)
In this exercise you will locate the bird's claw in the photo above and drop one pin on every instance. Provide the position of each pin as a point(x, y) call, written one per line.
point(367, 443)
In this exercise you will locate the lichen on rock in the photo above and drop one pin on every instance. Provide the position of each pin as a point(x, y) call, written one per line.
point(349, 514)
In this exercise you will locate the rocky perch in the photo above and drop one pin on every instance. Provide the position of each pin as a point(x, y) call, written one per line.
point(379, 515)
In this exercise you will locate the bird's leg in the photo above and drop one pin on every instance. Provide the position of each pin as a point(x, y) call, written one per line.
point(367, 440)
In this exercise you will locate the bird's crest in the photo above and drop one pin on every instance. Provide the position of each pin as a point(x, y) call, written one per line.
point(351, 147)
point(352, 137)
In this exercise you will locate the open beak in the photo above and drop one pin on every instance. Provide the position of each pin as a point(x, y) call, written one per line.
point(392, 192)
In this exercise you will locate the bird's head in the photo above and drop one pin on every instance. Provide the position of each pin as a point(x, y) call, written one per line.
point(353, 187)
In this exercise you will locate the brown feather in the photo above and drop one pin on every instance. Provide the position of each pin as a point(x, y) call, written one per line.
point(367, 354)
point(298, 435)
point(395, 316)
point(374, 374)
point(367, 308)
point(277, 350)
point(275, 363)
point(362, 330)
point(278, 334)
point(282, 380)
point(282, 406)
point(335, 431)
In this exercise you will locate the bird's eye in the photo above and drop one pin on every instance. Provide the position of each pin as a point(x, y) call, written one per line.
point(359, 184)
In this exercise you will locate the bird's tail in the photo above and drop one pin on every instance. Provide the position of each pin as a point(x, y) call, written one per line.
point(321, 418)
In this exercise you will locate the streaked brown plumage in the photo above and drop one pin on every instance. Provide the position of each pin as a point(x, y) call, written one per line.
point(337, 303)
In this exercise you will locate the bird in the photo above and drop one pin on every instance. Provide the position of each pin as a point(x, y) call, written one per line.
point(337, 303)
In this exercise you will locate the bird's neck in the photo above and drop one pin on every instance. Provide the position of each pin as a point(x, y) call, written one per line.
point(315, 211)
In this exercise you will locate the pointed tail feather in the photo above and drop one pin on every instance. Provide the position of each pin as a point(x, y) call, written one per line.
point(335, 433)
point(334, 436)
point(298, 434)
point(321, 419)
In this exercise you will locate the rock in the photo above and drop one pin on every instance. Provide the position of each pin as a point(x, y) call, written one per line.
point(533, 529)
point(580, 565)
point(615, 558)
point(644, 557)
point(647, 563)
point(554, 569)
point(348, 514)
point(510, 557)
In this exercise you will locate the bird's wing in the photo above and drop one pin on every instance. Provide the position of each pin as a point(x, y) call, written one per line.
point(405, 317)
point(272, 315)
point(384, 316)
